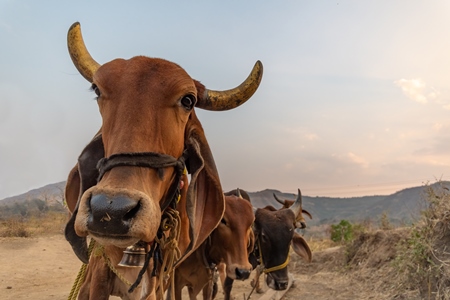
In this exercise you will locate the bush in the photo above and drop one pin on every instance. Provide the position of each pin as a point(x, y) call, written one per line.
point(14, 227)
point(342, 232)
point(424, 258)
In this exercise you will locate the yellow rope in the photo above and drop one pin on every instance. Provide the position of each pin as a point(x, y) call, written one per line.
point(169, 246)
point(81, 276)
point(279, 267)
point(276, 268)
point(100, 251)
point(114, 270)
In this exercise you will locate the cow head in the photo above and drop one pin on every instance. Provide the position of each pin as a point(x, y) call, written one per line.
point(133, 167)
point(233, 239)
point(301, 223)
point(275, 232)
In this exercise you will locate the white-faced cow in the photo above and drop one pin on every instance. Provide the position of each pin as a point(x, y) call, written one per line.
point(129, 187)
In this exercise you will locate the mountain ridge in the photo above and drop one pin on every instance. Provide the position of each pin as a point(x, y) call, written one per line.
point(402, 207)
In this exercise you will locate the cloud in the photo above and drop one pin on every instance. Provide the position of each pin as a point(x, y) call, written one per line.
point(311, 136)
point(417, 90)
point(352, 159)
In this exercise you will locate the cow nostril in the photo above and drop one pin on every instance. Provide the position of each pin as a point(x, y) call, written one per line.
point(132, 212)
point(242, 274)
point(112, 214)
point(282, 285)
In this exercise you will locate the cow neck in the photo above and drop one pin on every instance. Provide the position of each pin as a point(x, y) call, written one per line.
point(206, 257)
point(148, 160)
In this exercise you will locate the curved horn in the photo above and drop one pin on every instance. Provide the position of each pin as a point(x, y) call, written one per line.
point(229, 99)
point(278, 200)
point(238, 191)
point(297, 206)
point(81, 58)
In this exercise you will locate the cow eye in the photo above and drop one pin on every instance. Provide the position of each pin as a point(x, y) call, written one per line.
point(188, 102)
point(96, 90)
point(223, 221)
point(263, 237)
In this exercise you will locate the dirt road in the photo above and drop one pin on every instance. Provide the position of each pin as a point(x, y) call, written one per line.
point(45, 268)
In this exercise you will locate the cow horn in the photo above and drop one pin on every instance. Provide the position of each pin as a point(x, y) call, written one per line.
point(81, 58)
point(238, 191)
point(297, 206)
point(229, 99)
point(278, 200)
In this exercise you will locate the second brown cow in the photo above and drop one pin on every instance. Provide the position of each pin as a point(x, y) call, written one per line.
point(228, 245)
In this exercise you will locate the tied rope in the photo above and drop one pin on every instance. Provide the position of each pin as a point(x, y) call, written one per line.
point(272, 269)
point(171, 224)
point(171, 220)
point(81, 275)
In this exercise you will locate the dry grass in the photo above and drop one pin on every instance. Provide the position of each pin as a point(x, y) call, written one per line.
point(48, 224)
point(321, 244)
point(424, 259)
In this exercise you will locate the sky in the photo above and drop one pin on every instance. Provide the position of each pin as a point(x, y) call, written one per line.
point(354, 100)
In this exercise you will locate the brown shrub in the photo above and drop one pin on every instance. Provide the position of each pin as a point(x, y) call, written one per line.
point(14, 227)
point(47, 224)
point(424, 260)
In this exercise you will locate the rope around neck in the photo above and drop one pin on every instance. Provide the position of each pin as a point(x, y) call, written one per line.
point(171, 223)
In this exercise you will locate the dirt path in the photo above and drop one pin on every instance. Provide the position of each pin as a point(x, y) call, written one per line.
point(45, 268)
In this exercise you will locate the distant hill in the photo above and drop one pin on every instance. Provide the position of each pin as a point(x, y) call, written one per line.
point(53, 192)
point(402, 207)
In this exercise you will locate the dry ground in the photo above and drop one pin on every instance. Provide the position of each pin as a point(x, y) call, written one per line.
point(45, 268)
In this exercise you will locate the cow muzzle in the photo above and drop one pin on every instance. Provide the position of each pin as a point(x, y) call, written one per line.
point(242, 274)
point(277, 283)
point(111, 214)
point(239, 271)
point(120, 217)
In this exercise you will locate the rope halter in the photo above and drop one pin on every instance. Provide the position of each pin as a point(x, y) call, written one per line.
point(272, 269)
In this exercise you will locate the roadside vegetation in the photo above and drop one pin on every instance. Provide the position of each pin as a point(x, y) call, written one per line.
point(32, 218)
point(411, 262)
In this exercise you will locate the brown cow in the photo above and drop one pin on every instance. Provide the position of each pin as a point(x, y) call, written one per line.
point(301, 223)
point(229, 245)
point(274, 234)
point(129, 187)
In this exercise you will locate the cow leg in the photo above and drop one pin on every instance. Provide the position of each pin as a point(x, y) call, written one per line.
point(192, 293)
point(227, 286)
point(255, 282)
point(178, 288)
point(176, 296)
point(97, 284)
point(83, 294)
point(208, 290)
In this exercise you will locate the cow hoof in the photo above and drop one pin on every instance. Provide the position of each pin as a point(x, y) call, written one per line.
point(260, 291)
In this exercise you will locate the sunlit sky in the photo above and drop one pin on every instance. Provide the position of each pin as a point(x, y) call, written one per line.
point(355, 97)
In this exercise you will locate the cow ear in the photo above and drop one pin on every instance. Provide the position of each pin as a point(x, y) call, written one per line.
point(306, 213)
point(72, 189)
point(301, 247)
point(205, 202)
point(82, 177)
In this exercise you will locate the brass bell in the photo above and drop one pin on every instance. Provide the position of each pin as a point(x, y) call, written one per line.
point(133, 256)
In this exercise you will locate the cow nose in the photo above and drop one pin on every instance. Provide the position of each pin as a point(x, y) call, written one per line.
point(282, 284)
point(111, 215)
point(242, 274)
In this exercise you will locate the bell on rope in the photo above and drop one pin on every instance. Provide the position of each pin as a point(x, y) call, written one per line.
point(133, 256)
